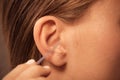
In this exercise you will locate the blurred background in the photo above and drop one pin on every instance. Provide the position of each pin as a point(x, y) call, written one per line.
point(4, 56)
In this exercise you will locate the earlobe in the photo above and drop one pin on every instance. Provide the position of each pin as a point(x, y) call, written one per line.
point(59, 57)
point(47, 32)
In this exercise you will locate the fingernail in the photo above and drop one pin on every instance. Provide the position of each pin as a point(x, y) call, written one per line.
point(46, 67)
point(30, 61)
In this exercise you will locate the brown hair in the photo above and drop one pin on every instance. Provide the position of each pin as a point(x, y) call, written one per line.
point(19, 17)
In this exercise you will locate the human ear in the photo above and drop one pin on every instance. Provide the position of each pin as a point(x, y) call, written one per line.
point(47, 37)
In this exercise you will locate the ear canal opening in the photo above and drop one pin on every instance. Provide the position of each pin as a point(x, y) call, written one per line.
point(47, 54)
point(51, 51)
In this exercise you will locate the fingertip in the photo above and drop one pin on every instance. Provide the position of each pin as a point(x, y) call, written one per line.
point(31, 61)
point(46, 67)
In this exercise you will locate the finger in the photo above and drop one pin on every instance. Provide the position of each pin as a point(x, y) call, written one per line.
point(18, 70)
point(35, 71)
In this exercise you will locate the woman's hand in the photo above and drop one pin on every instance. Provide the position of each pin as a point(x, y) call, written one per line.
point(28, 71)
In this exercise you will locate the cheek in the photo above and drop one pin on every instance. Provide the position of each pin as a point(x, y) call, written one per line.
point(104, 40)
point(92, 50)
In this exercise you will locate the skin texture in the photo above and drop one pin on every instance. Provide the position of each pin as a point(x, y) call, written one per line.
point(89, 48)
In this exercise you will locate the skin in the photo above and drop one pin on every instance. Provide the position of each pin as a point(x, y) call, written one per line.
point(91, 44)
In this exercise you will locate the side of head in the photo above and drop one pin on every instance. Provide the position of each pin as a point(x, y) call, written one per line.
point(20, 16)
point(87, 34)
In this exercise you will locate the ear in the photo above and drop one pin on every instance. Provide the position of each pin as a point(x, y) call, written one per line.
point(47, 37)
